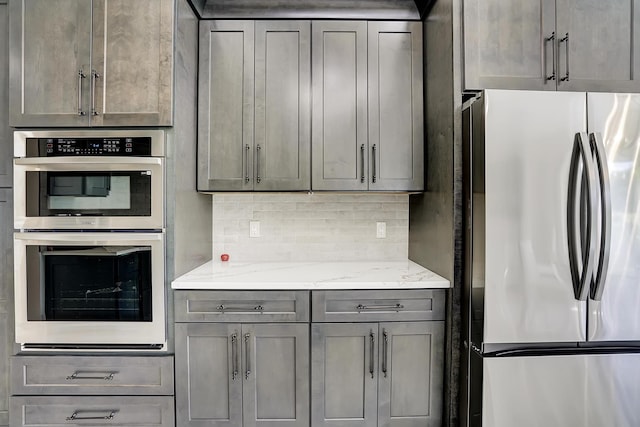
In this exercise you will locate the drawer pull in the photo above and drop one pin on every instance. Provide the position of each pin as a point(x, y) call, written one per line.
point(74, 416)
point(388, 307)
point(226, 309)
point(78, 376)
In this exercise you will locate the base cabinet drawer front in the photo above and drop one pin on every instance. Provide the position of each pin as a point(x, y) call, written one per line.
point(91, 375)
point(143, 411)
point(378, 306)
point(234, 306)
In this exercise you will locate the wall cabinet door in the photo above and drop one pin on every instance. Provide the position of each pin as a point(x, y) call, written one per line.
point(411, 374)
point(91, 63)
point(396, 135)
point(6, 141)
point(344, 377)
point(599, 45)
point(340, 145)
point(51, 48)
point(208, 378)
point(225, 106)
point(276, 374)
point(6, 296)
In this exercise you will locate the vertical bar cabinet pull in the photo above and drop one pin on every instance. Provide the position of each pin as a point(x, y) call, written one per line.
point(81, 75)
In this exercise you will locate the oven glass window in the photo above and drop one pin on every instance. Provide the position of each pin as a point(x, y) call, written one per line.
point(108, 193)
point(104, 283)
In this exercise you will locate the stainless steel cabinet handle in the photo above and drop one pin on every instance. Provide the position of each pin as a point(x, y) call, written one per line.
point(551, 39)
point(246, 163)
point(234, 355)
point(372, 343)
point(362, 163)
point(258, 149)
point(600, 157)
point(247, 355)
point(565, 40)
point(78, 375)
point(226, 309)
point(581, 154)
point(111, 413)
point(94, 76)
point(391, 307)
point(374, 172)
point(81, 75)
point(385, 346)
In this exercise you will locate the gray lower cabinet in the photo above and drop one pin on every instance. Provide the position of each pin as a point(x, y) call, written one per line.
point(232, 374)
point(254, 130)
point(377, 374)
point(552, 45)
point(148, 411)
point(91, 63)
point(6, 297)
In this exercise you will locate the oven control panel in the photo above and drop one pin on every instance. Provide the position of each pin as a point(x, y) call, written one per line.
point(69, 147)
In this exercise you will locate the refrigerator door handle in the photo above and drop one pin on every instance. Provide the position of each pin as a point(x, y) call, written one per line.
point(581, 154)
point(600, 158)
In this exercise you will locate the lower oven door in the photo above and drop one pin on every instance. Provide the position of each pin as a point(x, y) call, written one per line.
point(93, 289)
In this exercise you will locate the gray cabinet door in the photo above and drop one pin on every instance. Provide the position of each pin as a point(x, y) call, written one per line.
point(396, 120)
point(208, 378)
point(603, 45)
point(51, 47)
point(6, 143)
point(339, 139)
point(276, 375)
point(411, 374)
point(344, 375)
point(225, 106)
point(282, 152)
point(6, 297)
point(507, 44)
point(132, 63)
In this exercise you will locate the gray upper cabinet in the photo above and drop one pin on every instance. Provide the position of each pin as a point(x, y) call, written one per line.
point(339, 140)
point(91, 63)
point(552, 45)
point(367, 106)
point(6, 143)
point(252, 375)
point(254, 112)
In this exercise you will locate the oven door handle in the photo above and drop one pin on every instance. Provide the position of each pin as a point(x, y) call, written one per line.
point(80, 160)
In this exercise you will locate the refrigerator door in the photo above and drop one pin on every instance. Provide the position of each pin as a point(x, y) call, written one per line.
point(560, 391)
point(615, 316)
point(528, 290)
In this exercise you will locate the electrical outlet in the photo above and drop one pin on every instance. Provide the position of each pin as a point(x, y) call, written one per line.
point(254, 228)
point(381, 230)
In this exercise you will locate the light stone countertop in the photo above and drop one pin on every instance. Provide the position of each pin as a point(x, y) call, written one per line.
point(310, 275)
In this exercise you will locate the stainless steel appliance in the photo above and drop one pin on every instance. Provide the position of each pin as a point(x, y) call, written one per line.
point(89, 290)
point(552, 259)
point(89, 179)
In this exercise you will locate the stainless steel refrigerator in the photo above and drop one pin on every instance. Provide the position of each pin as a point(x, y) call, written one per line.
point(551, 186)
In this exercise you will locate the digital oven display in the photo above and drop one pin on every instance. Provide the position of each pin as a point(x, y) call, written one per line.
point(119, 146)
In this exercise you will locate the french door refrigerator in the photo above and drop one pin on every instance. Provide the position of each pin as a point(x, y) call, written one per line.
point(551, 184)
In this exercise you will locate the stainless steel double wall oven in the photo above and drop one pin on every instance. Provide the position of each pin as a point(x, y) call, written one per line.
point(89, 239)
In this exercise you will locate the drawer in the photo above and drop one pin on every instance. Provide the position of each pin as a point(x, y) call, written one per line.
point(378, 306)
point(241, 306)
point(147, 411)
point(92, 375)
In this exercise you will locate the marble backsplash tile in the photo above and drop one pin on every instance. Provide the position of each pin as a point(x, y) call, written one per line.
point(318, 226)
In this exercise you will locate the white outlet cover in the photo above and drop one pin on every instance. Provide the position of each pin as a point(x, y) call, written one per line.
point(381, 230)
point(254, 228)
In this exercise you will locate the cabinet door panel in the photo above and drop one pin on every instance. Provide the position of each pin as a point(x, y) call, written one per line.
point(603, 47)
point(6, 297)
point(504, 44)
point(50, 42)
point(410, 382)
point(225, 106)
point(276, 368)
point(6, 142)
point(396, 140)
point(340, 146)
point(133, 56)
point(282, 106)
point(207, 391)
point(344, 391)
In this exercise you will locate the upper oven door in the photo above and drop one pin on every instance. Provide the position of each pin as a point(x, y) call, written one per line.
point(88, 193)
